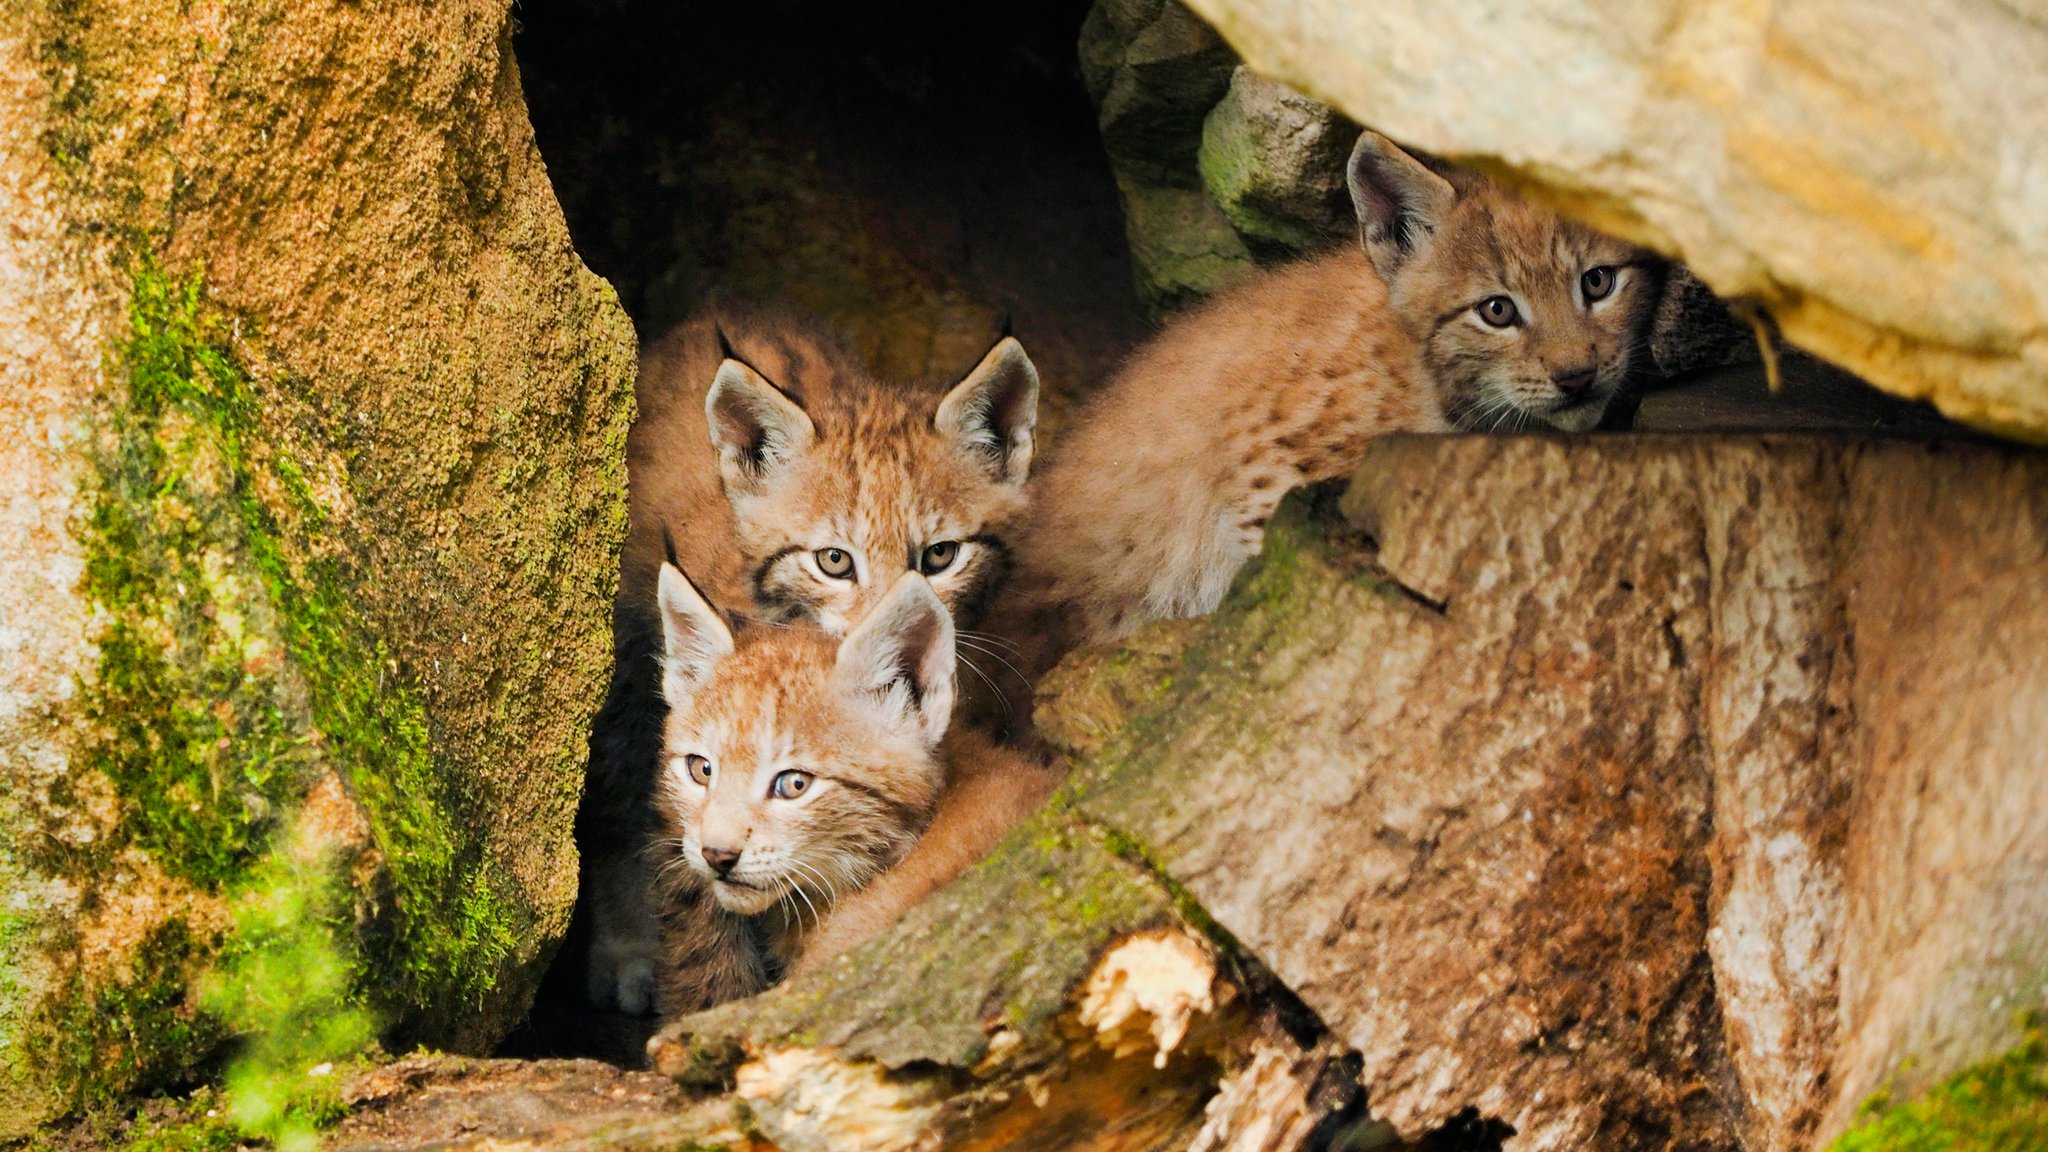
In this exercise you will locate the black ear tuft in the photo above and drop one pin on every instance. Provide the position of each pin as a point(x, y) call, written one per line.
point(725, 351)
point(668, 547)
point(1007, 329)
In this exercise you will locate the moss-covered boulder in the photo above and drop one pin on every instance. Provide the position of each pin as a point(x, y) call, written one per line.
point(311, 471)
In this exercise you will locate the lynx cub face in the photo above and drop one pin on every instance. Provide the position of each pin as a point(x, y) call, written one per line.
point(1521, 316)
point(796, 768)
point(834, 503)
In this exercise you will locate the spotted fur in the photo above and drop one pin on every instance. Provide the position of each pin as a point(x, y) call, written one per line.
point(854, 725)
point(760, 444)
point(1161, 491)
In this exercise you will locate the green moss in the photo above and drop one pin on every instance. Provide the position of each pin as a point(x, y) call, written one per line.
point(2000, 1105)
point(232, 671)
point(1129, 848)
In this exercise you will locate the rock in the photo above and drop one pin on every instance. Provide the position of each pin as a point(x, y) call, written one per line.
point(1154, 70)
point(1876, 185)
point(1182, 247)
point(1273, 160)
point(313, 428)
point(1573, 827)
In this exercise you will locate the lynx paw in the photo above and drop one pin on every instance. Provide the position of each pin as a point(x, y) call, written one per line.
point(621, 977)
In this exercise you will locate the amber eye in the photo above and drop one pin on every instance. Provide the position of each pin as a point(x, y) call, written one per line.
point(700, 769)
point(835, 562)
point(938, 557)
point(1498, 311)
point(1597, 283)
point(789, 785)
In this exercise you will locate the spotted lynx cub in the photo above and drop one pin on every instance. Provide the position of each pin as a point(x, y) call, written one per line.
point(1461, 307)
point(795, 770)
point(795, 488)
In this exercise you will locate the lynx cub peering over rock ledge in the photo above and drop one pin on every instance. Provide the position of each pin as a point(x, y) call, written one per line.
point(1462, 307)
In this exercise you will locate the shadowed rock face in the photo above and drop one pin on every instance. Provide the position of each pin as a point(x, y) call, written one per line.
point(1618, 792)
point(314, 426)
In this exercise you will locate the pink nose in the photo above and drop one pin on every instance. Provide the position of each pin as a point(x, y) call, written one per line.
point(720, 859)
point(1573, 382)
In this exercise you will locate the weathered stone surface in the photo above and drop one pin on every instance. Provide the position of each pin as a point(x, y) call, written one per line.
point(313, 428)
point(1877, 183)
point(1273, 160)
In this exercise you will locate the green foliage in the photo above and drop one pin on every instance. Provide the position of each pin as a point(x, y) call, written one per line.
point(2000, 1105)
point(285, 984)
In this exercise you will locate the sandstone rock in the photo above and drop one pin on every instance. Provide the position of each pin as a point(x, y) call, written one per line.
point(1875, 183)
point(313, 428)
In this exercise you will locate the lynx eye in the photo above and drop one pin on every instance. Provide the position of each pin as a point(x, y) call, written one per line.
point(699, 769)
point(1598, 283)
point(789, 785)
point(938, 557)
point(835, 562)
point(1498, 311)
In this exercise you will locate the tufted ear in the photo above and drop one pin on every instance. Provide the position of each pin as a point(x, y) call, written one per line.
point(756, 429)
point(1399, 201)
point(902, 654)
point(993, 413)
point(694, 637)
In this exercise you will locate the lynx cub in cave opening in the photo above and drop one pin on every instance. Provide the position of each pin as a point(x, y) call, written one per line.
point(795, 770)
point(794, 487)
point(1461, 307)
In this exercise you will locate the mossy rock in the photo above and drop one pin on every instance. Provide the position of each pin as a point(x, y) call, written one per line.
point(322, 429)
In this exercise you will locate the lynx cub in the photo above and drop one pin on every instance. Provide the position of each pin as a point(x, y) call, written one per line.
point(795, 770)
point(1461, 307)
point(797, 488)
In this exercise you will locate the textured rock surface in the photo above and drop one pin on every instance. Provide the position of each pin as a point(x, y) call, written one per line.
point(1875, 182)
point(314, 427)
point(1273, 160)
point(1612, 829)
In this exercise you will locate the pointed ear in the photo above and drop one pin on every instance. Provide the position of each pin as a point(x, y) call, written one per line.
point(694, 637)
point(993, 413)
point(755, 428)
point(903, 654)
point(1399, 202)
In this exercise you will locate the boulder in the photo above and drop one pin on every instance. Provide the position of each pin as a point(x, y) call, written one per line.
point(1273, 160)
point(312, 442)
point(1488, 805)
point(1154, 71)
point(1875, 184)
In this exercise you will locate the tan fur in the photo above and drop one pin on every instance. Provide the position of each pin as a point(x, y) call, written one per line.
point(881, 480)
point(802, 451)
point(860, 720)
point(989, 791)
point(1159, 494)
